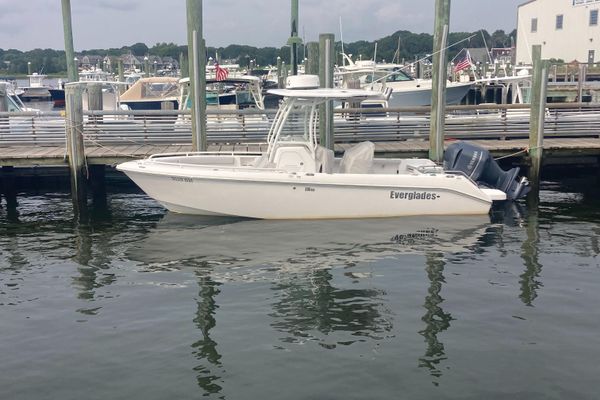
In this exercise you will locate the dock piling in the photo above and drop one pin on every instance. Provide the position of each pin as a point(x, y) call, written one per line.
point(75, 146)
point(121, 75)
point(95, 101)
point(196, 56)
point(438, 93)
point(3, 95)
point(68, 37)
point(8, 189)
point(280, 82)
point(326, 63)
point(312, 67)
point(537, 118)
point(294, 39)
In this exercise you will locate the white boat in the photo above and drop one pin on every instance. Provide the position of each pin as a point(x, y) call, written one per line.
point(400, 89)
point(152, 93)
point(37, 89)
point(296, 178)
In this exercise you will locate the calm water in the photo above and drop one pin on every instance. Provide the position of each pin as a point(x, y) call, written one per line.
point(142, 304)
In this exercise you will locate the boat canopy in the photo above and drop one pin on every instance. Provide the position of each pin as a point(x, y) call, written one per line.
point(156, 88)
point(326, 94)
point(297, 120)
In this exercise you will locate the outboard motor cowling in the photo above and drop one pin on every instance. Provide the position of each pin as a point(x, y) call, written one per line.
point(478, 164)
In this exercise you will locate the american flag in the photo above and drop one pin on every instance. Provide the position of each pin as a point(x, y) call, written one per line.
point(220, 73)
point(464, 63)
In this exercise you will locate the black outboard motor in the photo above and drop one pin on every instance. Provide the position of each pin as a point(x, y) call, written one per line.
point(478, 164)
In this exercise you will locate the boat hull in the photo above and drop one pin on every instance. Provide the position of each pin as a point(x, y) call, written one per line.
point(58, 97)
point(421, 96)
point(309, 196)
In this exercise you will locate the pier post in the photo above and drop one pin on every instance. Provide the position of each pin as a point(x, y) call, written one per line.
point(75, 147)
point(146, 67)
point(183, 66)
point(3, 95)
point(537, 118)
point(285, 72)
point(98, 186)
point(581, 78)
point(326, 63)
point(279, 73)
point(122, 88)
point(68, 36)
point(8, 189)
point(312, 67)
point(197, 66)
point(438, 92)
point(95, 101)
point(294, 40)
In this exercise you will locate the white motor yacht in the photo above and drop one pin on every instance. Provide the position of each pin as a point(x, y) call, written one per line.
point(400, 89)
point(296, 178)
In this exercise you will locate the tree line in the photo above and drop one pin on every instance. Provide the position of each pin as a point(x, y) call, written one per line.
point(402, 45)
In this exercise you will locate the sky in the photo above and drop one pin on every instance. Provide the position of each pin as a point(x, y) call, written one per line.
point(99, 24)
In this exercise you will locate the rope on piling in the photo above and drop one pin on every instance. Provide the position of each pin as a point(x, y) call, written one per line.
point(525, 150)
point(109, 149)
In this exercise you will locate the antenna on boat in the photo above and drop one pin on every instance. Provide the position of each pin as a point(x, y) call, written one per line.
point(342, 40)
point(304, 44)
point(374, 63)
point(397, 53)
point(486, 47)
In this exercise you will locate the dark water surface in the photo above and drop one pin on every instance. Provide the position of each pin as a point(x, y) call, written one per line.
point(142, 304)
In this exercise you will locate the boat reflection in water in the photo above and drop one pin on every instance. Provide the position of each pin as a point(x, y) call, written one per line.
point(300, 244)
point(305, 265)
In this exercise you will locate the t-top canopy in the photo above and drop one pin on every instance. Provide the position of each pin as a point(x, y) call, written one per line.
point(325, 93)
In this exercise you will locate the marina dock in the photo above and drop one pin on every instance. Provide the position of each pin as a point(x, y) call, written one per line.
point(559, 151)
point(571, 133)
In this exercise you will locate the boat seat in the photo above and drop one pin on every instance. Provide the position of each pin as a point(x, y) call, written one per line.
point(294, 157)
point(325, 159)
point(262, 162)
point(358, 159)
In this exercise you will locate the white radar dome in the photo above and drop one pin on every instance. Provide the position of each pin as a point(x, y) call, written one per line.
point(302, 82)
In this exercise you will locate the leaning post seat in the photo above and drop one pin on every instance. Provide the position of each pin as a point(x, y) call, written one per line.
point(325, 159)
point(358, 159)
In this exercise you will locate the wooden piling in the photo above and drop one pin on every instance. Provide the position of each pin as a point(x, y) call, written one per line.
point(68, 37)
point(122, 88)
point(3, 97)
point(146, 67)
point(75, 146)
point(167, 106)
point(8, 189)
point(97, 181)
point(537, 118)
point(183, 66)
point(312, 67)
point(197, 66)
point(95, 101)
point(280, 83)
point(438, 93)
point(326, 63)
point(294, 40)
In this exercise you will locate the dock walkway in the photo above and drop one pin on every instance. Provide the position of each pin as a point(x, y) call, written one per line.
point(556, 150)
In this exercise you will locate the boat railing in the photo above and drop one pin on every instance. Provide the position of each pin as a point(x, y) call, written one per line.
point(205, 153)
point(125, 127)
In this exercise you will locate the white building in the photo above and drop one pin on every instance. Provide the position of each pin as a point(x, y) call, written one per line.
point(568, 30)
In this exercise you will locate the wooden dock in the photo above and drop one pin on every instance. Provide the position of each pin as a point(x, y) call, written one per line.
point(556, 150)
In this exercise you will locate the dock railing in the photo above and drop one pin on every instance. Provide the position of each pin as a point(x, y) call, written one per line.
point(487, 121)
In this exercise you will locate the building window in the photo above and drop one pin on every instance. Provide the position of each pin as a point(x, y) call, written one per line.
point(559, 21)
point(534, 25)
point(594, 18)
